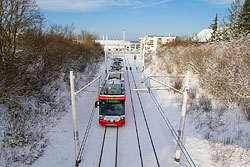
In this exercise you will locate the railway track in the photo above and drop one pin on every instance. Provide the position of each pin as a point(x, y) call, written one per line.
point(146, 139)
point(135, 122)
point(105, 149)
point(187, 156)
point(144, 117)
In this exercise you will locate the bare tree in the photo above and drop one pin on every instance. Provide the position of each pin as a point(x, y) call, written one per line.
point(16, 16)
point(86, 36)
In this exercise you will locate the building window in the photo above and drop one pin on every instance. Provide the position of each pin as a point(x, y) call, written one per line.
point(151, 42)
point(159, 41)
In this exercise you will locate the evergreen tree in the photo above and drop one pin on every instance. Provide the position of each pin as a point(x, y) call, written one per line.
point(245, 17)
point(234, 17)
point(214, 27)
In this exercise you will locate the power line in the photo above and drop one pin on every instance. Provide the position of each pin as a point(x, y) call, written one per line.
point(86, 132)
point(171, 128)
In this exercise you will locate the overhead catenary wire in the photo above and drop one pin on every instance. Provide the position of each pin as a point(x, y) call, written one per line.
point(87, 130)
point(174, 133)
point(182, 147)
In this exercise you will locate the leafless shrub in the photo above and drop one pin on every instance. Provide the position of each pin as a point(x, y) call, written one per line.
point(245, 105)
point(204, 103)
point(148, 58)
point(169, 69)
point(192, 93)
point(207, 135)
point(178, 41)
point(36, 59)
point(192, 101)
point(222, 67)
point(221, 107)
point(178, 83)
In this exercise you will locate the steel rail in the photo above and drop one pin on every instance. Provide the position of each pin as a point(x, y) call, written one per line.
point(136, 128)
point(146, 122)
point(172, 130)
point(103, 142)
point(116, 148)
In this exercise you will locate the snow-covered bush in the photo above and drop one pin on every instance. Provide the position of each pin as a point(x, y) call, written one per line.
point(24, 136)
point(34, 87)
point(178, 83)
point(204, 103)
point(34, 71)
point(222, 68)
point(245, 106)
point(218, 101)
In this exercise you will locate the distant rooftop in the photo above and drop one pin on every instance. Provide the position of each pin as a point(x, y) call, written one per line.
point(113, 42)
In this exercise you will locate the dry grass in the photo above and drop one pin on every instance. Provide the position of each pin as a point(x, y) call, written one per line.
point(223, 68)
point(178, 41)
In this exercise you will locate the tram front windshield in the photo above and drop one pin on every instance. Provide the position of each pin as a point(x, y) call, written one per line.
point(112, 107)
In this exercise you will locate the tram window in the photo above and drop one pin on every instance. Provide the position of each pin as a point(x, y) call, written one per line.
point(111, 108)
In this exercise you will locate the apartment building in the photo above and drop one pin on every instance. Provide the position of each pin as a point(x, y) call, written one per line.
point(151, 42)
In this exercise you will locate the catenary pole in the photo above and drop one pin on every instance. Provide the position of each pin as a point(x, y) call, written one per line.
point(182, 121)
point(142, 70)
point(75, 132)
point(105, 50)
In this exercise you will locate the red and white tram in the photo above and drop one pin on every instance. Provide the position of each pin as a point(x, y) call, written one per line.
point(111, 103)
point(112, 98)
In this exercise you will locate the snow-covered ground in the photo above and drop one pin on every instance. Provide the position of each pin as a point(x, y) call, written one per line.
point(216, 138)
point(60, 149)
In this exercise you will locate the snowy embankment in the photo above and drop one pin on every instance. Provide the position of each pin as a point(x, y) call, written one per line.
point(23, 142)
point(60, 149)
point(219, 137)
point(210, 139)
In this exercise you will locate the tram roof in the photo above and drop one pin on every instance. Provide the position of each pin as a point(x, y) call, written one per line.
point(119, 75)
point(113, 83)
point(113, 87)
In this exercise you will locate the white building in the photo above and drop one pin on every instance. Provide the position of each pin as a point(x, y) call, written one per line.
point(151, 42)
point(118, 45)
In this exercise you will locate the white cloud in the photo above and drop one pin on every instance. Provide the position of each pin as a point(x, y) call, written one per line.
point(220, 2)
point(150, 4)
point(82, 5)
point(90, 5)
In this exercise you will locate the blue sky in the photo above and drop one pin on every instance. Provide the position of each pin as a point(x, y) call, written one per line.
point(137, 17)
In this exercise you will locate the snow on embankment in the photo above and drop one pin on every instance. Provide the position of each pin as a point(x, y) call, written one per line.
point(217, 121)
point(25, 124)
